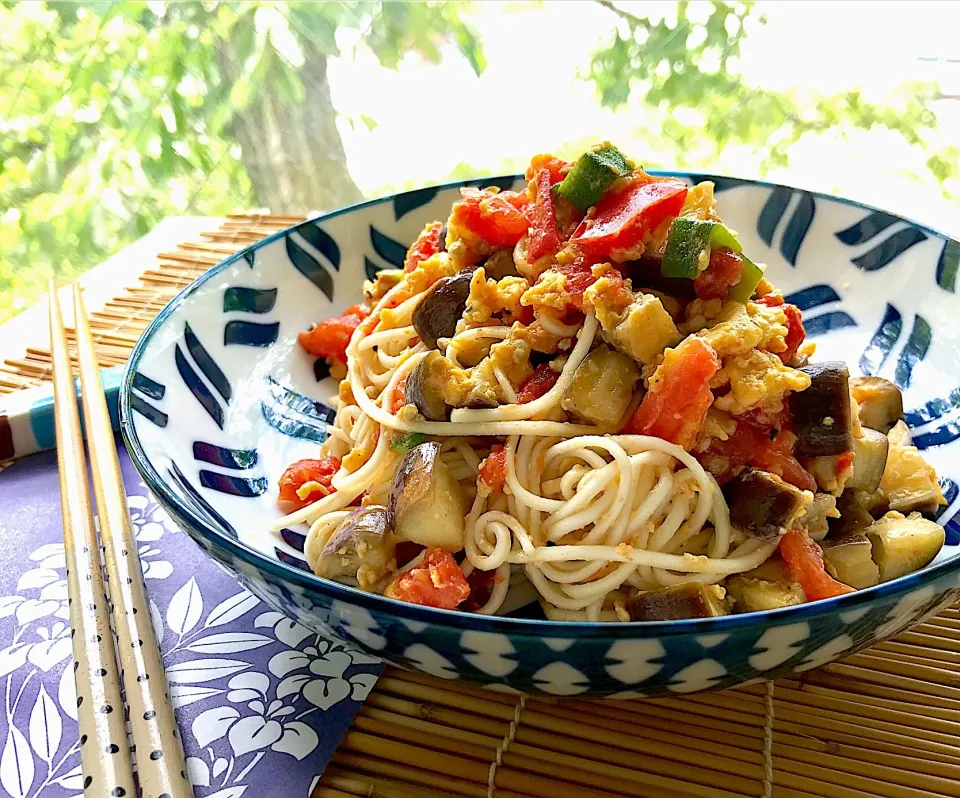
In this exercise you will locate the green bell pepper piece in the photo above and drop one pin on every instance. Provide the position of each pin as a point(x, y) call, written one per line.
point(686, 241)
point(592, 175)
point(404, 443)
point(720, 236)
point(750, 277)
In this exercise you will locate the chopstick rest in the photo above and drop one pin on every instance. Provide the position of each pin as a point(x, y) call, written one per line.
point(160, 760)
point(104, 746)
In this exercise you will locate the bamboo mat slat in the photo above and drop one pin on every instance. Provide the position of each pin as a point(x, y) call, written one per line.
point(884, 723)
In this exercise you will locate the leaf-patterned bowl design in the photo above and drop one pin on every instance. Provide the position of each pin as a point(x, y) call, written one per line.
point(217, 399)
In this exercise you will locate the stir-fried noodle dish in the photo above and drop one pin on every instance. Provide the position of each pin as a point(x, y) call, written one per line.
point(586, 394)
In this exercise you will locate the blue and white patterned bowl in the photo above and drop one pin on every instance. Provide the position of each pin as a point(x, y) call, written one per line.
point(217, 399)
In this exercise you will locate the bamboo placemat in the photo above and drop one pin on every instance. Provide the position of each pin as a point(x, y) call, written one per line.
point(884, 722)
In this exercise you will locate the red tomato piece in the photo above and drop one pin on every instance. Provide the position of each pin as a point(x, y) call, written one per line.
point(578, 277)
point(757, 441)
point(554, 166)
point(537, 384)
point(303, 471)
point(436, 582)
point(495, 217)
point(722, 273)
point(493, 469)
point(399, 396)
point(795, 332)
point(426, 246)
point(804, 560)
point(676, 405)
point(621, 220)
point(544, 238)
point(329, 339)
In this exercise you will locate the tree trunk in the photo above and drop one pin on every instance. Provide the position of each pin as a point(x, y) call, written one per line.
point(294, 154)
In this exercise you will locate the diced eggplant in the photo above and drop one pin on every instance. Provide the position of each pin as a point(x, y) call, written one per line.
point(854, 514)
point(443, 238)
point(902, 545)
point(757, 595)
point(849, 559)
point(869, 460)
point(362, 541)
point(763, 505)
point(678, 602)
point(816, 515)
point(439, 311)
point(602, 387)
point(831, 471)
point(426, 504)
point(881, 403)
point(772, 570)
point(423, 388)
point(899, 434)
point(500, 264)
point(909, 482)
point(821, 413)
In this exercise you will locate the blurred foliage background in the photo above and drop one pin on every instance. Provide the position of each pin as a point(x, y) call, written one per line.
point(114, 115)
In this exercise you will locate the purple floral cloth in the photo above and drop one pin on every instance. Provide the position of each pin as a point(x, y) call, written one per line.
point(261, 701)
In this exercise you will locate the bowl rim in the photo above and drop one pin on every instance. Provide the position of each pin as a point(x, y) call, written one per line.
point(463, 621)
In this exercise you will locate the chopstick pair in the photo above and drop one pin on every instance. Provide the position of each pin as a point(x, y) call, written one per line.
point(104, 747)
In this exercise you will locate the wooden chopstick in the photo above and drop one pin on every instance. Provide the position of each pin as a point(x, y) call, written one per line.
point(160, 761)
point(104, 748)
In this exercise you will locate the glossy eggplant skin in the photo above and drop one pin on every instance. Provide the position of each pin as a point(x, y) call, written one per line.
point(677, 602)
point(763, 505)
point(880, 402)
point(423, 390)
point(439, 311)
point(426, 504)
point(363, 537)
point(821, 414)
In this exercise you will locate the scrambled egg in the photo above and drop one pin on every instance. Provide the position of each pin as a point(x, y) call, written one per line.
point(642, 329)
point(757, 380)
point(478, 386)
point(488, 297)
point(549, 292)
point(732, 328)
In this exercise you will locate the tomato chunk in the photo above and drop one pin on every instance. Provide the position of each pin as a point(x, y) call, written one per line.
point(553, 165)
point(496, 217)
point(621, 219)
point(578, 276)
point(493, 469)
point(723, 272)
point(426, 246)
point(329, 339)
point(537, 384)
point(804, 560)
point(436, 582)
point(795, 332)
point(544, 238)
point(763, 442)
point(676, 405)
point(303, 472)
